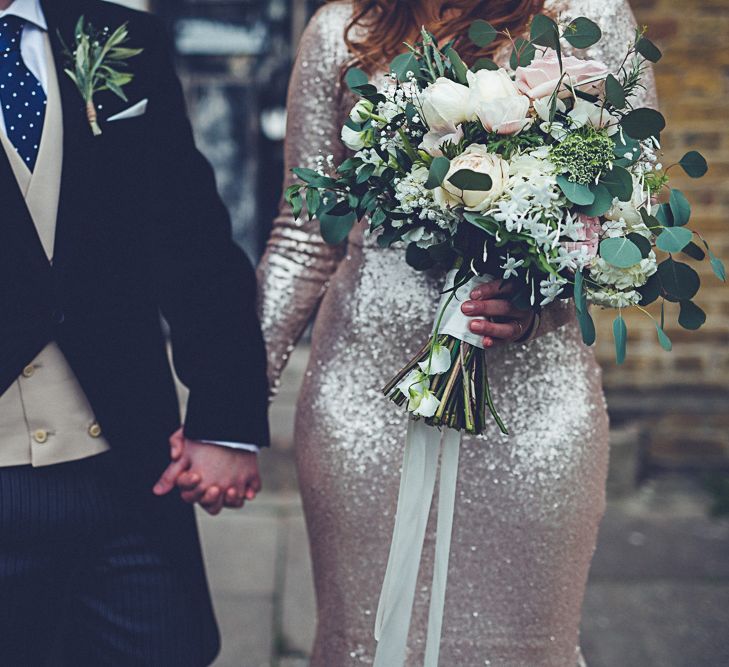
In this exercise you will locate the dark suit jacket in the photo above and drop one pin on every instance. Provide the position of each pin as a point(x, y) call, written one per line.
point(141, 231)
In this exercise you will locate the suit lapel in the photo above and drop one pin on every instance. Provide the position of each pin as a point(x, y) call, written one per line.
point(78, 141)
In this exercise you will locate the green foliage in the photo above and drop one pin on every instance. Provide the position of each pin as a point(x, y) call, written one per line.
point(691, 316)
point(438, 170)
point(680, 207)
point(577, 193)
point(679, 281)
point(618, 182)
point(694, 164)
point(643, 123)
point(404, 63)
point(648, 49)
point(583, 155)
point(614, 92)
point(663, 339)
point(587, 326)
point(582, 33)
point(602, 202)
point(482, 33)
point(673, 239)
point(467, 179)
point(522, 54)
point(620, 252)
point(355, 77)
point(620, 334)
point(544, 32)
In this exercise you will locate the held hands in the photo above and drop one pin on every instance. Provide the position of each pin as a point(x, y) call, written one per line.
point(504, 322)
point(211, 475)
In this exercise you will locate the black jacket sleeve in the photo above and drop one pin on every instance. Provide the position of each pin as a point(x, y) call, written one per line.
point(205, 283)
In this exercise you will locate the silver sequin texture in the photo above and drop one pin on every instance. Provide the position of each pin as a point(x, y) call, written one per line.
point(528, 505)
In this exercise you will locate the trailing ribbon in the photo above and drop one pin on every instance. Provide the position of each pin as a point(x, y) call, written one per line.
point(417, 484)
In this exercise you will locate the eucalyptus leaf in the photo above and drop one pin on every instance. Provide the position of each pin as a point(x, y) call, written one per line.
point(650, 291)
point(691, 316)
point(642, 242)
point(694, 251)
point(577, 193)
point(582, 33)
point(678, 280)
point(620, 252)
point(674, 239)
point(437, 172)
point(663, 339)
point(643, 123)
point(482, 33)
point(680, 207)
point(579, 293)
point(467, 179)
point(544, 32)
point(587, 326)
point(664, 215)
point(619, 183)
point(484, 63)
point(336, 228)
point(620, 334)
point(694, 164)
point(648, 49)
point(717, 266)
point(404, 63)
point(614, 92)
point(355, 77)
point(602, 203)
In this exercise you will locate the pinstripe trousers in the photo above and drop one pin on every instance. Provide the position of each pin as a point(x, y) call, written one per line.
point(89, 577)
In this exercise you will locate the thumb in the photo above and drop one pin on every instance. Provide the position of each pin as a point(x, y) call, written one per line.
point(167, 480)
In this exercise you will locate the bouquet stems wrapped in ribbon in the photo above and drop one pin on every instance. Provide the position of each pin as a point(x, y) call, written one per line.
point(543, 175)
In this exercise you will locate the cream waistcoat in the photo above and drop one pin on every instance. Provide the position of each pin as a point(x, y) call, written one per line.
point(45, 418)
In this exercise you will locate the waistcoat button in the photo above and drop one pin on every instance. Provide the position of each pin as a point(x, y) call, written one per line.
point(40, 436)
point(28, 371)
point(95, 430)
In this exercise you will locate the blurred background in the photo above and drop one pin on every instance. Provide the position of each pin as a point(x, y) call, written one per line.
point(659, 588)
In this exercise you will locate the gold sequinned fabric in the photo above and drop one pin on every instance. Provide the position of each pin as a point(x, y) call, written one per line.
point(528, 505)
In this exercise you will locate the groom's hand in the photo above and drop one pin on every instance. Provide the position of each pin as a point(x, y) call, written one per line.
point(211, 475)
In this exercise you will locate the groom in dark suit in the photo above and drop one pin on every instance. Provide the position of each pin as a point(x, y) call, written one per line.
point(98, 236)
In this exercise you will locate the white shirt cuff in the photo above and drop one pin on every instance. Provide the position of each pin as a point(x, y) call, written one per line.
point(245, 446)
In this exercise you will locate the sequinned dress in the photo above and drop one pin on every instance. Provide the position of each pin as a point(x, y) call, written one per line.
point(528, 505)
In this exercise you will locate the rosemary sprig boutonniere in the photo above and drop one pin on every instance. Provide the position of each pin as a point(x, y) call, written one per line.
point(96, 63)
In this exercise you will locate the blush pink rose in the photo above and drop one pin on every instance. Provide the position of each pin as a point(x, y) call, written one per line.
point(541, 77)
point(588, 236)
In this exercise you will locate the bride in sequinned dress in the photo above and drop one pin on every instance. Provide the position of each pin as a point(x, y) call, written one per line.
point(528, 505)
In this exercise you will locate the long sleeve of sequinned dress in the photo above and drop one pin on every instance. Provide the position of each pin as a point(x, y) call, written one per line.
point(528, 505)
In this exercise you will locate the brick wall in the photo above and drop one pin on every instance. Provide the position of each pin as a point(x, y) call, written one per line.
point(680, 397)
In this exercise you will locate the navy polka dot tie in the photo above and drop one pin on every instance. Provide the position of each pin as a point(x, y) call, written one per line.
point(21, 94)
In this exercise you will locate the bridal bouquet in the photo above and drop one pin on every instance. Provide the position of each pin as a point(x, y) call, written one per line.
point(543, 175)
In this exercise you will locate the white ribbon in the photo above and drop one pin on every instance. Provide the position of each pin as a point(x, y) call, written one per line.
point(424, 445)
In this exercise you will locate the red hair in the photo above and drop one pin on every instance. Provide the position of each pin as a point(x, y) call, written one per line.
point(382, 26)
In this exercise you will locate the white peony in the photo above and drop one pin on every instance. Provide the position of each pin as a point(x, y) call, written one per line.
point(475, 158)
point(445, 104)
point(434, 139)
point(497, 102)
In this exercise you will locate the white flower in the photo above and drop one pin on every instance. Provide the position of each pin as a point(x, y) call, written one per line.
point(423, 405)
point(414, 381)
point(445, 103)
point(423, 237)
point(353, 139)
point(434, 139)
point(550, 289)
point(607, 275)
point(475, 158)
point(586, 113)
point(510, 266)
point(541, 106)
point(361, 111)
point(438, 362)
point(497, 102)
point(613, 298)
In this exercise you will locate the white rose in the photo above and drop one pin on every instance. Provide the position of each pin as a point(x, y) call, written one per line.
point(486, 85)
point(353, 139)
point(361, 111)
point(476, 158)
point(445, 104)
point(497, 102)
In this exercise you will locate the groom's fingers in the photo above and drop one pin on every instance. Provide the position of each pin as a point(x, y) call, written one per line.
point(212, 501)
point(188, 481)
point(167, 480)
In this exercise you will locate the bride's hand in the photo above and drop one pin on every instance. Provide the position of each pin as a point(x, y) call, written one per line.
point(509, 324)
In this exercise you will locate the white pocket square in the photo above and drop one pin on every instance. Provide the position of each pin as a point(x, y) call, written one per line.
point(138, 109)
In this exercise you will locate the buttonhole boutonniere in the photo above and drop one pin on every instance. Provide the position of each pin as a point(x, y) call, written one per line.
point(97, 61)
